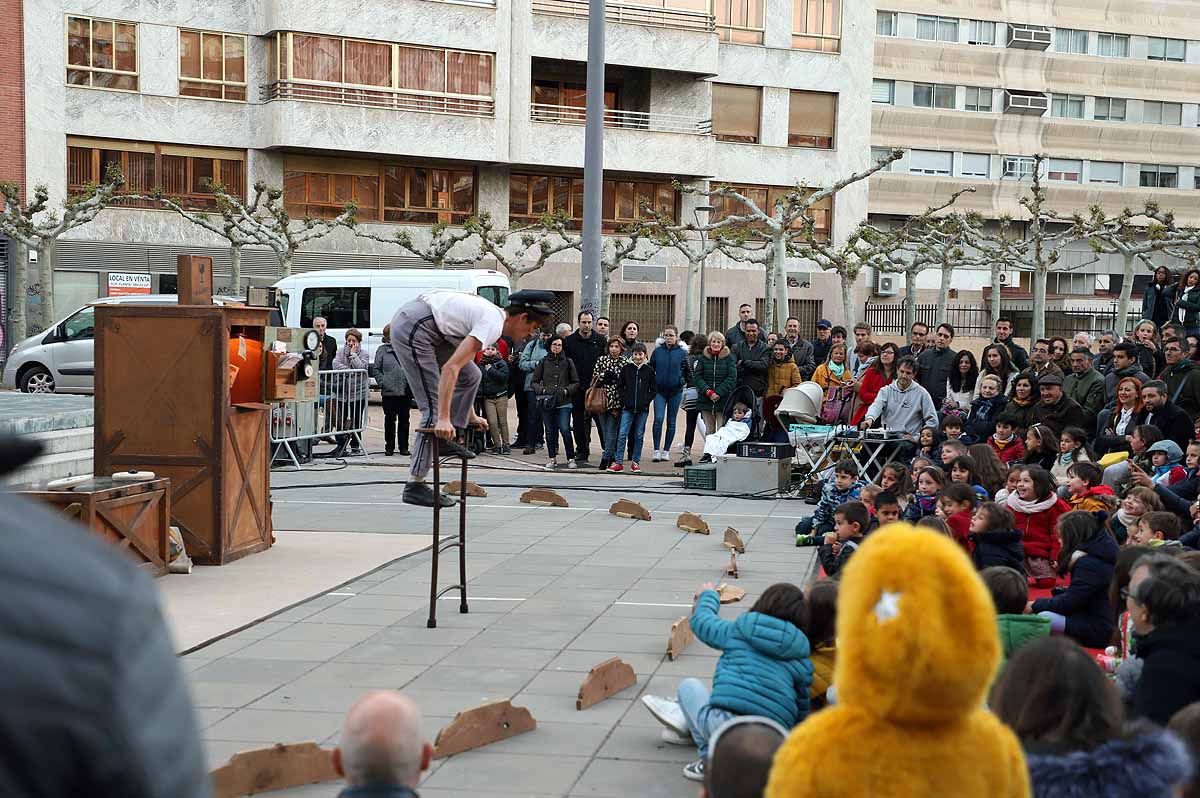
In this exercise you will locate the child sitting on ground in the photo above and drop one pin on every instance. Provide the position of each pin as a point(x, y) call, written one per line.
point(822, 636)
point(1036, 508)
point(1010, 482)
point(1087, 491)
point(1089, 555)
point(764, 669)
point(956, 502)
point(1157, 529)
point(981, 422)
point(936, 524)
point(1114, 655)
point(1041, 446)
point(1006, 443)
point(736, 429)
point(950, 451)
point(893, 478)
point(1137, 502)
point(850, 527)
point(1072, 448)
point(927, 443)
point(842, 487)
point(887, 508)
point(994, 542)
point(1010, 593)
point(962, 469)
point(914, 471)
point(1165, 457)
point(924, 502)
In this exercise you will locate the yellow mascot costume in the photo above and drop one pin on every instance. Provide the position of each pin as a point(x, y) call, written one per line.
point(917, 651)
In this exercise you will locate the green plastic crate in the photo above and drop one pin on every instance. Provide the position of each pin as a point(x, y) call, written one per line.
point(700, 477)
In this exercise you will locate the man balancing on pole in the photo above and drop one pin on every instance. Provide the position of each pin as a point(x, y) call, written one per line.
point(436, 337)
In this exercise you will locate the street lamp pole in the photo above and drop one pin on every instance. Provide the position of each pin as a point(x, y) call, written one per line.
point(696, 211)
point(593, 162)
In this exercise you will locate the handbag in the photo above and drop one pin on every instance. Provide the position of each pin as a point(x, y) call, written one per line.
point(836, 409)
point(690, 397)
point(595, 400)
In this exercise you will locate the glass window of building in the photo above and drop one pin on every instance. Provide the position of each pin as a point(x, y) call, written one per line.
point(1112, 45)
point(736, 112)
point(978, 99)
point(937, 29)
point(1109, 109)
point(1166, 49)
point(102, 53)
point(930, 162)
point(976, 164)
point(1069, 40)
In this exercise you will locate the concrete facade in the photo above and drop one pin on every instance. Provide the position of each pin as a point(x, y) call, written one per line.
point(1110, 110)
point(669, 67)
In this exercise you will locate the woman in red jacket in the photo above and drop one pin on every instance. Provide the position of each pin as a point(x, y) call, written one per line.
point(877, 375)
point(1035, 506)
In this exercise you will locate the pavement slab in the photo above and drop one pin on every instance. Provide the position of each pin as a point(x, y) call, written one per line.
point(552, 593)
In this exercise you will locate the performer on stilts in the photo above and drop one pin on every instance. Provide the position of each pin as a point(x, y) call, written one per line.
point(436, 337)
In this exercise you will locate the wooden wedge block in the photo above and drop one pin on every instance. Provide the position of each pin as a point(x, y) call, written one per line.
point(276, 768)
point(485, 724)
point(606, 679)
point(543, 497)
point(690, 522)
point(732, 570)
point(454, 488)
point(681, 637)
point(733, 540)
point(627, 508)
point(730, 593)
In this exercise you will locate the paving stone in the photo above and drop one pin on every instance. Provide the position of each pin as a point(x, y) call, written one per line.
point(225, 694)
point(218, 752)
point(621, 778)
point(358, 616)
point(361, 675)
point(253, 671)
point(506, 681)
point(309, 697)
point(225, 646)
point(610, 642)
point(474, 654)
point(394, 653)
point(275, 726)
point(644, 744)
point(561, 709)
point(323, 632)
point(581, 662)
point(483, 771)
point(293, 649)
point(570, 739)
point(422, 635)
point(207, 716)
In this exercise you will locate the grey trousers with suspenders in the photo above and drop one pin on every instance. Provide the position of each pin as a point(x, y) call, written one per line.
point(423, 350)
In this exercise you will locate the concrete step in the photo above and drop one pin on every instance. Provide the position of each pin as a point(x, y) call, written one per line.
point(53, 466)
point(66, 440)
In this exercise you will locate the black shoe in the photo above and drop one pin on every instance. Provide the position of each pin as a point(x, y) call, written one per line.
point(420, 494)
point(405, 453)
point(683, 462)
point(388, 452)
point(604, 463)
point(706, 459)
point(453, 448)
point(505, 449)
point(528, 450)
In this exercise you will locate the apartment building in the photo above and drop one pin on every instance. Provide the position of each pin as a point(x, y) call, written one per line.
point(427, 111)
point(1106, 90)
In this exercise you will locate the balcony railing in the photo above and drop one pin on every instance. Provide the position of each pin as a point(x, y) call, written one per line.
point(628, 120)
point(659, 16)
point(397, 99)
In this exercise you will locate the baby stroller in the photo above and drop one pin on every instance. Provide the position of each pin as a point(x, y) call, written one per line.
point(746, 396)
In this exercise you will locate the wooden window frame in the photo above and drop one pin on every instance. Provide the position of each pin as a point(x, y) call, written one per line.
point(224, 83)
point(575, 215)
point(191, 200)
point(773, 193)
point(91, 70)
point(444, 215)
point(738, 34)
point(814, 142)
point(802, 39)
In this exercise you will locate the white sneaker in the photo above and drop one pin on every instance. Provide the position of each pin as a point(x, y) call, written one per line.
point(668, 713)
point(550, 466)
point(673, 737)
point(571, 464)
point(657, 456)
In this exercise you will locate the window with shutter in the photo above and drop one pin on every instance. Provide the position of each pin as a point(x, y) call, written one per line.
point(812, 118)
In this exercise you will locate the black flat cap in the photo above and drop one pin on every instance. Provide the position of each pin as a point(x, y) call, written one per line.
point(533, 300)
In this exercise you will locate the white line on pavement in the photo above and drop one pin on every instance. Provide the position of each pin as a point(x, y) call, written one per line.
point(341, 594)
point(531, 507)
point(479, 598)
point(647, 604)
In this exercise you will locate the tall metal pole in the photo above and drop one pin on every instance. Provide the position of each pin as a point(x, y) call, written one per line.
point(593, 162)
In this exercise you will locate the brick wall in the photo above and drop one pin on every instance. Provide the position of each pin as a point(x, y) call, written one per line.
point(12, 93)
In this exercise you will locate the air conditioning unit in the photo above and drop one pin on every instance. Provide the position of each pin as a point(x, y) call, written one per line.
point(1029, 37)
point(887, 284)
point(1008, 279)
point(1028, 103)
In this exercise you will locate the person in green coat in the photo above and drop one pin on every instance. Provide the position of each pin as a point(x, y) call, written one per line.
point(1085, 385)
point(715, 379)
point(1010, 593)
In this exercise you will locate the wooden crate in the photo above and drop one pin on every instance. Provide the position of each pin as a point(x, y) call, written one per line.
point(163, 405)
point(134, 516)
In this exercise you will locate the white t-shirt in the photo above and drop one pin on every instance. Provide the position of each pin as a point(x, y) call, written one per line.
point(459, 314)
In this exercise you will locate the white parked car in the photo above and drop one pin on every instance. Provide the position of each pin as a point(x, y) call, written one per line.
point(61, 359)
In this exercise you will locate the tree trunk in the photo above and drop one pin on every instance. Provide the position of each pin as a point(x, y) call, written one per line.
point(285, 265)
point(848, 301)
point(46, 278)
point(944, 294)
point(767, 322)
point(781, 286)
point(994, 301)
point(605, 289)
point(18, 301)
point(690, 289)
point(1039, 304)
point(910, 299)
point(235, 268)
point(1120, 323)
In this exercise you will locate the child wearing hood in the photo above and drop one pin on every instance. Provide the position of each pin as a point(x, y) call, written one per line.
point(1010, 593)
point(995, 543)
point(1165, 457)
point(737, 428)
point(764, 669)
point(1089, 555)
point(1086, 491)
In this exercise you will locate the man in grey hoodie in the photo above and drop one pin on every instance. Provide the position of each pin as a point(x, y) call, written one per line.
point(902, 405)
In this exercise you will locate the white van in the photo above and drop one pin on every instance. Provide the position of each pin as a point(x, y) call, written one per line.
point(368, 298)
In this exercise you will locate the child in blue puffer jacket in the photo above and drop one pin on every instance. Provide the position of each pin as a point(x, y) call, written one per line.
point(764, 670)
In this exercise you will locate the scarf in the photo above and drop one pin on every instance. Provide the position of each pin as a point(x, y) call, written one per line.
point(1019, 505)
point(1126, 519)
point(1002, 444)
point(1021, 402)
point(836, 369)
point(1066, 459)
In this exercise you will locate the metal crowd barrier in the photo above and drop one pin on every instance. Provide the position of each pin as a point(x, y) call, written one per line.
point(340, 409)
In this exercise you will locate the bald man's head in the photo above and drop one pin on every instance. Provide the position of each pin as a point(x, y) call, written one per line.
point(382, 741)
